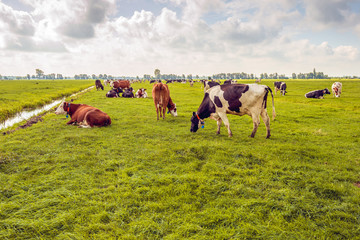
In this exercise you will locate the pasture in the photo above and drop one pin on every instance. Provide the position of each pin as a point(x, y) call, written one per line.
point(146, 179)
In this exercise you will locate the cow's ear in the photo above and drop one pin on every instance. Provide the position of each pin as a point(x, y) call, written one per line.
point(194, 114)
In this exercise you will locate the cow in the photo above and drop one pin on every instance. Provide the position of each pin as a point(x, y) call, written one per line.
point(120, 84)
point(98, 85)
point(280, 86)
point(106, 82)
point(162, 100)
point(236, 99)
point(141, 93)
point(128, 93)
point(114, 93)
point(227, 81)
point(336, 89)
point(319, 94)
point(209, 84)
point(83, 115)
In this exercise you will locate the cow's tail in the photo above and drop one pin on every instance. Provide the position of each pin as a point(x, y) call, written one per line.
point(273, 104)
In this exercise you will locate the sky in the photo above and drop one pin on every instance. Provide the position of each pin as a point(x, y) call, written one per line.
point(198, 37)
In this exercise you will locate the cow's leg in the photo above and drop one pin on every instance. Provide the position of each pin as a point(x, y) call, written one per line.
point(266, 120)
point(157, 113)
point(224, 118)
point(256, 122)
point(219, 122)
point(164, 111)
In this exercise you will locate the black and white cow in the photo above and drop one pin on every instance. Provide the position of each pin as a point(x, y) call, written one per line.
point(128, 93)
point(114, 93)
point(317, 93)
point(280, 86)
point(237, 99)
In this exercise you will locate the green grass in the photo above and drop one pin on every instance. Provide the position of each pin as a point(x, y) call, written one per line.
point(146, 179)
point(16, 95)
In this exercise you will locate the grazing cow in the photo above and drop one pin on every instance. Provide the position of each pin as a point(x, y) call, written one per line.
point(236, 99)
point(162, 100)
point(317, 93)
point(336, 89)
point(98, 85)
point(141, 93)
point(120, 84)
point(106, 82)
point(280, 86)
point(209, 84)
point(128, 93)
point(227, 82)
point(114, 93)
point(258, 80)
point(84, 115)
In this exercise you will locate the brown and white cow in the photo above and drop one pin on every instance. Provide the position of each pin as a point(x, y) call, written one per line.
point(336, 89)
point(98, 85)
point(84, 115)
point(162, 100)
point(120, 84)
point(236, 99)
point(141, 93)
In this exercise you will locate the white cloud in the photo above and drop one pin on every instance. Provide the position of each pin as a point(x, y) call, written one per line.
point(203, 37)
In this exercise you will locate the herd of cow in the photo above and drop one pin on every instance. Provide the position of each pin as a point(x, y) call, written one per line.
point(219, 100)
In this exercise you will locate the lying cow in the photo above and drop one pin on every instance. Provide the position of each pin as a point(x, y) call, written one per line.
point(114, 93)
point(98, 85)
point(336, 89)
point(83, 115)
point(317, 93)
point(236, 99)
point(162, 100)
point(128, 93)
point(141, 93)
point(280, 86)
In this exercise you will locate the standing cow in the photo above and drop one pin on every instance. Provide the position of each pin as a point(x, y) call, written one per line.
point(98, 85)
point(84, 115)
point(336, 89)
point(120, 84)
point(236, 99)
point(280, 86)
point(319, 94)
point(162, 100)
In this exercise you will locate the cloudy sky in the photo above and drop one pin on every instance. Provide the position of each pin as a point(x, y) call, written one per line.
point(204, 37)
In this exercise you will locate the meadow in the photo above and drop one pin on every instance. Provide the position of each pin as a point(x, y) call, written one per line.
point(140, 178)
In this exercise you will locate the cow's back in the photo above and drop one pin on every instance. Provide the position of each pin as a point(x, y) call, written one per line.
point(238, 98)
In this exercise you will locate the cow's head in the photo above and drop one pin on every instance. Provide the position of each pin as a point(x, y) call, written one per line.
point(61, 108)
point(173, 111)
point(196, 123)
point(326, 91)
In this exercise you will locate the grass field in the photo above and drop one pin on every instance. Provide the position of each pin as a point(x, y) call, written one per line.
point(146, 179)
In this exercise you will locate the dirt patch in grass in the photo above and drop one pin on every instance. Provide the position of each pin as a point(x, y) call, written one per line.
point(28, 123)
point(357, 184)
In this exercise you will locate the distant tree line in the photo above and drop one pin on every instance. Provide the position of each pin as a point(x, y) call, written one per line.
point(39, 74)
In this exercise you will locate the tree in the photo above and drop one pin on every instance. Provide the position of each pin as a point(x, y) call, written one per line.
point(39, 73)
point(157, 73)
